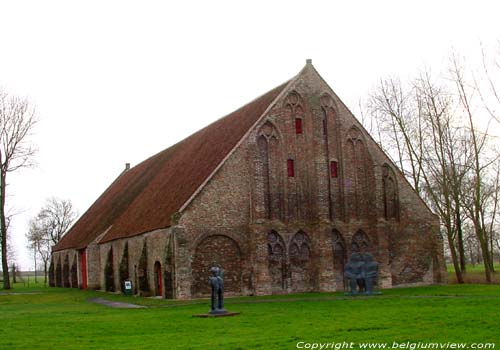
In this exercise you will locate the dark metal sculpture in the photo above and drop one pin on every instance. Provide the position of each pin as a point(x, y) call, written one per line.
point(217, 284)
point(362, 272)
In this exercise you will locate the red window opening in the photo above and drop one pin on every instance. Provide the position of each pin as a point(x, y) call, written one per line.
point(291, 168)
point(298, 125)
point(333, 169)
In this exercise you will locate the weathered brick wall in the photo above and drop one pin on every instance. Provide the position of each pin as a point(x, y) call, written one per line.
point(215, 229)
point(274, 229)
point(63, 268)
point(156, 243)
point(252, 195)
point(216, 250)
point(94, 269)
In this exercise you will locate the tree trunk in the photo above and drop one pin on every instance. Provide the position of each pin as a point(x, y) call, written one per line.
point(492, 253)
point(483, 246)
point(34, 257)
point(454, 258)
point(14, 273)
point(3, 231)
point(486, 259)
point(45, 272)
point(460, 236)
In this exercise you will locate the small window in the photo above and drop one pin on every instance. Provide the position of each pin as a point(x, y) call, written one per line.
point(324, 126)
point(334, 169)
point(298, 125)
point(291, 168)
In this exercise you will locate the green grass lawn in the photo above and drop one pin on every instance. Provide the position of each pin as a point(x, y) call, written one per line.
point(57, 318)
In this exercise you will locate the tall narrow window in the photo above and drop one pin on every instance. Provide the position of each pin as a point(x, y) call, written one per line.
point(298, 125)
point(324, 126)
point(333, 169)
point(291, 168)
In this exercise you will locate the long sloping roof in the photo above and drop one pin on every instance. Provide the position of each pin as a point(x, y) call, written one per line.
point(144, 198)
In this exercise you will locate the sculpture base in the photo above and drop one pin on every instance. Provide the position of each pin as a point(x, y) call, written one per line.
point(218, 311)
point(362, 294)
point(224, 314)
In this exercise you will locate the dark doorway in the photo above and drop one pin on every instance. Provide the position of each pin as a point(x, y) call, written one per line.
point(158, 280)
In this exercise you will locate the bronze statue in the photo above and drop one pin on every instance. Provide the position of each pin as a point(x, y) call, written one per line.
point(362, 272)
point(217, 284)
point(370, 272)
point(354, 271)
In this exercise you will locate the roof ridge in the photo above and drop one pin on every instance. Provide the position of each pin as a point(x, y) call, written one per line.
point(218, 139)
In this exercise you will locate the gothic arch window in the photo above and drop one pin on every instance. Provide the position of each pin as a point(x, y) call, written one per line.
point(339, 258)
point(332, 145)
point(360, 242)
point(270, 160)
point(390, 193)
point(358, 174)
point(300, 262)
point(328, 107)
point(294, 107)
point(276, 261)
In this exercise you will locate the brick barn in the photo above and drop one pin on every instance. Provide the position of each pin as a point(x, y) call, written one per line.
point(278, 193)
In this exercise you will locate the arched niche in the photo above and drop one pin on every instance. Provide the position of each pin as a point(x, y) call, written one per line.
point(360, 242)
point(109, 272)
point(74, 273)
point(218, 250)
point(359, 175)
point(300, 263)
point(390, 193)
point(59, 273)
point(65, 272)
point(276, 261)
point(340, 257)
point(269, 170)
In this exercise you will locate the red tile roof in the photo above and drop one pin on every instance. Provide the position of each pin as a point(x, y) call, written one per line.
point(144, 198)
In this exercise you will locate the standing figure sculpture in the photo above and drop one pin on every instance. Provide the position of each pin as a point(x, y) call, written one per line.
point(217, 284)
point(370, 271)
point(362, 272)
point(354, 272)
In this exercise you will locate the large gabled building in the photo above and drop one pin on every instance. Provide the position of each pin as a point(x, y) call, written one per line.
point(278, 193)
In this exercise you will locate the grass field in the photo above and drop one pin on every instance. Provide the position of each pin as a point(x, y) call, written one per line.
point(56, 318)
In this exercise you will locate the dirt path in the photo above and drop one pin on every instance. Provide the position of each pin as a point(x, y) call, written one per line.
point(115, 304)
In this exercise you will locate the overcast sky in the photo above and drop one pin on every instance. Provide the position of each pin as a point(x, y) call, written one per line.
point(118, 81)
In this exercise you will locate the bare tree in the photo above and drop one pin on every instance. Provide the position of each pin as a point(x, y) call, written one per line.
point(39, 243)
point(397, 118)
point(418, 126)
point(56, 217)
point(48, 227)
point(476, 193)
point(33, 247)
point(17, 120)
